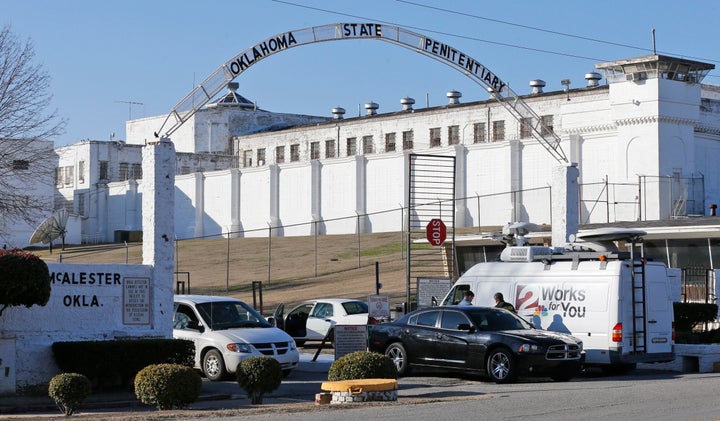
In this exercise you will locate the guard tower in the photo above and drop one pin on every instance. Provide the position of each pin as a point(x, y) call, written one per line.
point(655, 108)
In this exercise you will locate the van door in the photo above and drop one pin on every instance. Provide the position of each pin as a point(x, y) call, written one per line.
point(659, 313)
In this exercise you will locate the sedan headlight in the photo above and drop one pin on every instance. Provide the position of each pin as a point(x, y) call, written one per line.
point(528, 348)
point(242, 348)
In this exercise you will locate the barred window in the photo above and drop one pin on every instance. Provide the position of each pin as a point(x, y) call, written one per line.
point(408, 139)
point(81, 172)
point(261, 156)
point(329, 149)
point(435, 136)
point(479, 133)
point(453, 135)
point(498, 130)
point(368, 146)
point(315, 150)
point(247, 158)
point(20, 164)
point(294, 152)
point(351, 146)
point(547, 121)
point(124, 171)
point(279, 154)
point(526, 128)
point(389, 142)
point(136, 172)
point(103, 170)
point(59, 176)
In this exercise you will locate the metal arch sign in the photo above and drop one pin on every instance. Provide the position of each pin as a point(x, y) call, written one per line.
point(422, 44)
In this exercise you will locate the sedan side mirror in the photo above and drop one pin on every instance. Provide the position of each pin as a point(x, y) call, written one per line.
point(467, 327)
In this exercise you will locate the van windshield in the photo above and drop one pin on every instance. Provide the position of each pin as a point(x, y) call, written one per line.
point(221, 315)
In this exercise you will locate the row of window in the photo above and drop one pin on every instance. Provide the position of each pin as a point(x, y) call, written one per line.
point(367, 144)
point(126, 171)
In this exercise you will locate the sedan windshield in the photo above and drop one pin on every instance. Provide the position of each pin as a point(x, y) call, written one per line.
point(222, 315)
point(497, 320)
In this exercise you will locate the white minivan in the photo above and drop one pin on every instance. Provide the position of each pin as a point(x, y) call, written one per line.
point(226, 331)
point(620, 306)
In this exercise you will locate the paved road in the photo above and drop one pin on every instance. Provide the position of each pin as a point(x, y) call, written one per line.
point(642, 395)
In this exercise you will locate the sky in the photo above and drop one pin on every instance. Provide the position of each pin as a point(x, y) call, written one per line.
point(110, 61)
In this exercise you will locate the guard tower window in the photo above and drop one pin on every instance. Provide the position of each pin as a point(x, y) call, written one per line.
point(435, 136)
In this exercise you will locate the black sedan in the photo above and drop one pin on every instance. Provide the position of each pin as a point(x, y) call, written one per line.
point(482, 340)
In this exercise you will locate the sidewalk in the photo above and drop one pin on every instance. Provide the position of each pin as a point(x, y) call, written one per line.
point(211, 393)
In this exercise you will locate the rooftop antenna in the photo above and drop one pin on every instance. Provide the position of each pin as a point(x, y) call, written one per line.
point(130, 104)
point(653, 41)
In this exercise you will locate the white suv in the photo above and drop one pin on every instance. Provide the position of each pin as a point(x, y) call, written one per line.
point(226, 331)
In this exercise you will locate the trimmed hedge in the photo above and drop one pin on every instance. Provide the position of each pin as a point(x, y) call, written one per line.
point(25, 279)
point(689, 315)
point(259, 375)
point(168, 386)
point(362, 365)
point(69, 390)
point(115, 363)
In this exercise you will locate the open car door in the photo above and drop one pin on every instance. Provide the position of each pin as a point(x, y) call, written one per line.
point(279, 317)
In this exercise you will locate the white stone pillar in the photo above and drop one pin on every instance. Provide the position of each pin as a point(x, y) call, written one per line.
point(316, 197)
point(565, 218)
point(361, 192)
point(275, 200)
point(461, 211)
point(235, 221)
point(158, 201)
point(199, 230)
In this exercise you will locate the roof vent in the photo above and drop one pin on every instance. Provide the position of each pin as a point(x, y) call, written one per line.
point(593, 79)
point(453, 96)
point(371, 108)
point(407, 103)
point(537, 86)
point(525, 253)
point(338, 113)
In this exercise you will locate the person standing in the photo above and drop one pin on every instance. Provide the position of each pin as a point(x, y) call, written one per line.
point(467, 299)
point(501, 303)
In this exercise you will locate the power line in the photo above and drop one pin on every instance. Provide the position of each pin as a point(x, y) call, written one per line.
point(594, 59)
point(549, 31)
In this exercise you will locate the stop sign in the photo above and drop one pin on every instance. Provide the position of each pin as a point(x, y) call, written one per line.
point(436, 232)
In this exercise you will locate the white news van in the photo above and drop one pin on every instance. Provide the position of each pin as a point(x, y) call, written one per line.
point(619, 305)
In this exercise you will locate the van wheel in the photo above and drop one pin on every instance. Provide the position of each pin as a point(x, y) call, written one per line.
point(398, 355)
point(501, 366)
point(214, 366)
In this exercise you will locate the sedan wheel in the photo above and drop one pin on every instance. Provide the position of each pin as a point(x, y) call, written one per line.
point(501, 366)
point(399, 357)
point(214, 366)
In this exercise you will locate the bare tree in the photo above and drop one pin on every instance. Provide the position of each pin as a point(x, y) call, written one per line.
point(27, 158)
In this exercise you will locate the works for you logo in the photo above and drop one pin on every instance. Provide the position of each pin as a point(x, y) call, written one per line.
point(540, 300)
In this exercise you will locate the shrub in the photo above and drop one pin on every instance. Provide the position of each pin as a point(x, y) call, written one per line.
point(258, 375)
point(69, 390)
point(25, 280)
point(689, 315)
point(362, 365)
point(167, 385)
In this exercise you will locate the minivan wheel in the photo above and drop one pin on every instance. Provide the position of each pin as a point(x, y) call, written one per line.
point(214, 366)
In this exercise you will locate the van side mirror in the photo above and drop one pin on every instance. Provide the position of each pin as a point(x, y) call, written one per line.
point(195, 325)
